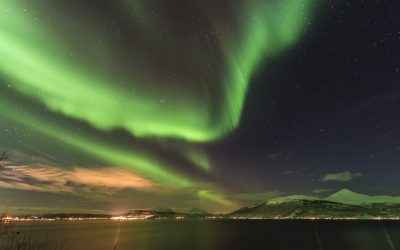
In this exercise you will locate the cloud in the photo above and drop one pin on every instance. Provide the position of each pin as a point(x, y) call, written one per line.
point(289, 172)
point(274, 156)
point(101, 188)
point(77, 180)
point(341, 176)
point(321, 190)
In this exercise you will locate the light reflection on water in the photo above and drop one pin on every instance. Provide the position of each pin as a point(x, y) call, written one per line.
point(218, 235)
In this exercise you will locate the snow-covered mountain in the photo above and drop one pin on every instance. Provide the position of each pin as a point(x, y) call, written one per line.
point(279, 200)
point(342, 204)
point(346, 196)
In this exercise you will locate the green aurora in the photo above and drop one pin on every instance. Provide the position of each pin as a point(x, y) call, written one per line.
point(171, 96)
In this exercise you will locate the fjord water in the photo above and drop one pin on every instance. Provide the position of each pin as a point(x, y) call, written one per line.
point(218, 234)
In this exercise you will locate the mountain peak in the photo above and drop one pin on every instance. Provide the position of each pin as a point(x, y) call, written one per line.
point(347, 196)
point(345, 191)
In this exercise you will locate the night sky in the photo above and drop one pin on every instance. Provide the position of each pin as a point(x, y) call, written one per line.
point(114, 105)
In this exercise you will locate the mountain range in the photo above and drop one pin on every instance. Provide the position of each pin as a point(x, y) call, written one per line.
point(165, 212)
point(344, 204)
point(340, 205)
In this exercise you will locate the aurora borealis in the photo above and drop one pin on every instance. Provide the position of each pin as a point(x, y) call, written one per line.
point(156, 91)
point(134, 96)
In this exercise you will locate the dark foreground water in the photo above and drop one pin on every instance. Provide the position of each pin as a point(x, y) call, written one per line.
point(219, 234)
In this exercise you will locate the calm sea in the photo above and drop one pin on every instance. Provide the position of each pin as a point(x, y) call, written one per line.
point(218, 234)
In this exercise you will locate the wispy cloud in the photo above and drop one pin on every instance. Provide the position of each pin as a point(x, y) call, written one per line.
point(289, 172)
point(321, 190)
point(77, 180)
point(341, 176)
point(274, 156)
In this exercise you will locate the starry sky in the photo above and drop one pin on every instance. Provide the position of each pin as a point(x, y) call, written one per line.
point(113, 105)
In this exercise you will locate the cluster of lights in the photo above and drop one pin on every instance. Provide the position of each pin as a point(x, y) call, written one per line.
point(144, 217)
point(312, 218)
point(9, 218)
point(123, 218)
point(34, 218)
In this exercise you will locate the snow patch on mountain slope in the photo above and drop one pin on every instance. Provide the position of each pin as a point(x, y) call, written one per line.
point(346, 196)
